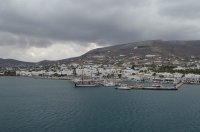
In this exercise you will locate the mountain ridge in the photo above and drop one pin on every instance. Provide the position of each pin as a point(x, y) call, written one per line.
point(13, 62)
point(164, 48)
point(178, 48)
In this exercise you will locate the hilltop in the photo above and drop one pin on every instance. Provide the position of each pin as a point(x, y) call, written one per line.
point(164, 49)
point(181, 49)
point(13, 63)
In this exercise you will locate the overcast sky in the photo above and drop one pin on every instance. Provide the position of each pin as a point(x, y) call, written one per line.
point(34, 30)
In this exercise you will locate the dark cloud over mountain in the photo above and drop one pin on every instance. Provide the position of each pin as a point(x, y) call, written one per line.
point(43, 23)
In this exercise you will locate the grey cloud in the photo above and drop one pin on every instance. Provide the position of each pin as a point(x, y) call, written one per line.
point(181, 9)
point(22, 41)
point(43, 22)
point(83, 21)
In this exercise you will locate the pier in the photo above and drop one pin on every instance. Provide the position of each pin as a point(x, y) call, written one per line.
point(153, 87)
point(156, 88)
point(179, 85)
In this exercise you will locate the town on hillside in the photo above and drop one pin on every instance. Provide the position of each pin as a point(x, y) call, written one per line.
point(150, 68)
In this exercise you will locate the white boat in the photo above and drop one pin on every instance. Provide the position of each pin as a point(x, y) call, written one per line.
point(123, 87)
point(109, 84)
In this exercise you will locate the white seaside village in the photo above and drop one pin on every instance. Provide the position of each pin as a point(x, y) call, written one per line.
point(128, 74)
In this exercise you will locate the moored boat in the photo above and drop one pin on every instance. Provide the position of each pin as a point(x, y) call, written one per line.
point(86, 83)
point(109, 84)
point(123, 87)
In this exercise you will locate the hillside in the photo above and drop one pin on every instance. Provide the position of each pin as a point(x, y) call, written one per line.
point(13, 63)
point(181, 49)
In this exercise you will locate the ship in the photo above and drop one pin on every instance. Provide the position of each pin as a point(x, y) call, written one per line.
point(86, 83)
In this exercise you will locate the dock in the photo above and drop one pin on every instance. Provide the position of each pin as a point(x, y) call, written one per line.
point(154, 88)
point(178, 85)
point(159, 87)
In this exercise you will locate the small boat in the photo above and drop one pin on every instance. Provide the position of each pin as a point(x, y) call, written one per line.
point(109, 84)
point(123, 87)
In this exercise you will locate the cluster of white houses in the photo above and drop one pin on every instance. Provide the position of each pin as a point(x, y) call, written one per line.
point(107, 71)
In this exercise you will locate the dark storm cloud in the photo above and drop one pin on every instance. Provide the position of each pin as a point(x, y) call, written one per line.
point(82, 21)
point(44, 22)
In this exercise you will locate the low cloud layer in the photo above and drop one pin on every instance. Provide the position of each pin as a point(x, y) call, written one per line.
point(70, 27)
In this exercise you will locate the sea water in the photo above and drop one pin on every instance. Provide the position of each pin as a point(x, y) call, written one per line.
point(39, 105)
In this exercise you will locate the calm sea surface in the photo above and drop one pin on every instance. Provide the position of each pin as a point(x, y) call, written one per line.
point(36, 105)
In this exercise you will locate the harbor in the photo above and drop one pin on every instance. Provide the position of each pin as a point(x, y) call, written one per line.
point(129, 84)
